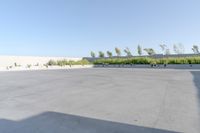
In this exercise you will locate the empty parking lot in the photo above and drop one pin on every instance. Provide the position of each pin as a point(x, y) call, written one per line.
point(98, 100)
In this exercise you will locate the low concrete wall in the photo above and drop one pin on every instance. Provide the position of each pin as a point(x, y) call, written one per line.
point(8, 61)
point(169, 66)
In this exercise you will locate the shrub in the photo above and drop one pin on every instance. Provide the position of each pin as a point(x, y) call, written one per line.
point(66, 62)
point(29, 65)
point(51, 63)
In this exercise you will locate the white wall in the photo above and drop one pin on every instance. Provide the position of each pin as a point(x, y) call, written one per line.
point(25, 60)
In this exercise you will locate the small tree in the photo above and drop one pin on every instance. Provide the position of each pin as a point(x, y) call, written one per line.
point(175, 49)
point(139, 49)
point(163, 48)
point(101, 54)
point(178, 48)
point(109, 54)
point(128, 52)
point(150, 51)
point(195, 49)
point(167, 52)
point(92, 54)
point(118, 51)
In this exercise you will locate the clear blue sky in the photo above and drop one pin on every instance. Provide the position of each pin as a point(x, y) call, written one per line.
point(75, 27)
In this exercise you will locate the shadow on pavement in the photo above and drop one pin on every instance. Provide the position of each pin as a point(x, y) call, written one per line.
point(53, 122)
point(196, 80)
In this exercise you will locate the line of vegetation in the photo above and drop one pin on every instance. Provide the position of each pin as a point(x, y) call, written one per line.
point(148, 60)
point(177, 49)
point(67, 62)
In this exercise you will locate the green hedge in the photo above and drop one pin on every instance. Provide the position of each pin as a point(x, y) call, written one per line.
point(66, 62)
point(148, 60)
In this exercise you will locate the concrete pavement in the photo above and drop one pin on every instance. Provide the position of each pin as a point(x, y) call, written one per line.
point(98, 100)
